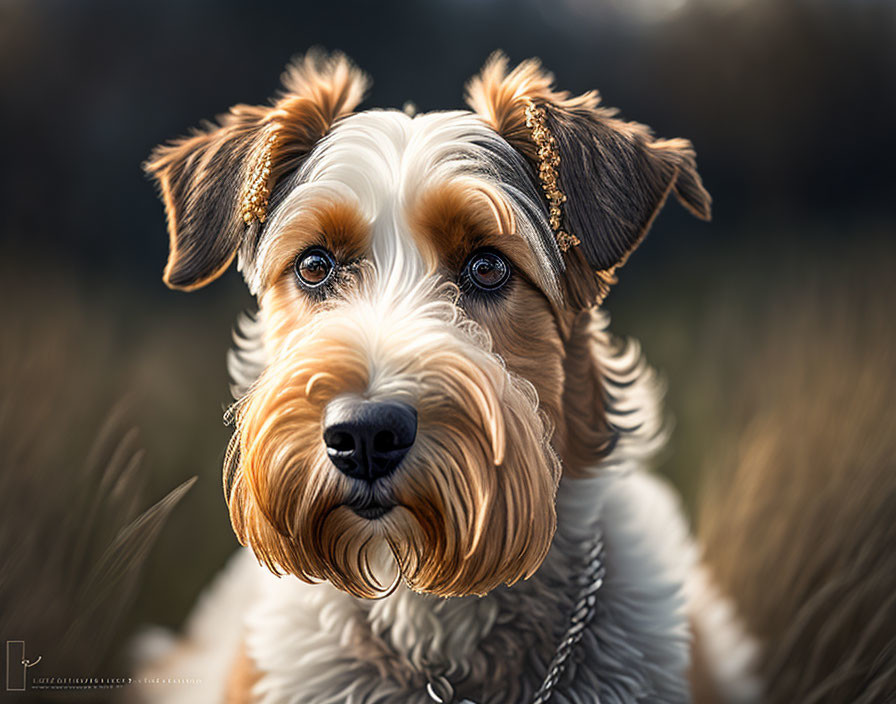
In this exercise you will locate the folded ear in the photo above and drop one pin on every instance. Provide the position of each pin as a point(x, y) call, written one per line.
point(615, 175)
point(216, 182)
point(199, 178)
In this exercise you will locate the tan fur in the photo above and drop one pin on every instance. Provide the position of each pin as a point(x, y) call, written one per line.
point(243, 676)
point(452, 220)
point(332, 224)
point(286, 500)
point(318, 89)
point(545, 344)
point(500, 389)
point(462, 481)
point(583, 436)
point(499, 95)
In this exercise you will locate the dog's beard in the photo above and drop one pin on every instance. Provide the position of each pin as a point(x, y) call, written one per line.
point(474, 498)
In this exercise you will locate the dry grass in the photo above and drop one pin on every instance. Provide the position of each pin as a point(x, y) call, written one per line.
point(780, 377)
point(798, 516)
point(73, 539)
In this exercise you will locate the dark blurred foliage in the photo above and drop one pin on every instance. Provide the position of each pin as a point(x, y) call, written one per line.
point(791, 105)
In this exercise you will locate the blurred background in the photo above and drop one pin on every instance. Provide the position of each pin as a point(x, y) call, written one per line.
point(791, 105)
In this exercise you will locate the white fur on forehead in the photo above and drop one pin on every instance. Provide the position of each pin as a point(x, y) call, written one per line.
point(382, 160)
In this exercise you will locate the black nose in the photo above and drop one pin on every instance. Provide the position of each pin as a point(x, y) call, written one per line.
point(368, 439)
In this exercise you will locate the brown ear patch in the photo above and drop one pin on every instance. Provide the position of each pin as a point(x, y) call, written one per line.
point(204, 178)
point(500, 97)
point(318, 90)
point(197, 178)
point(616, 178)
point(615, 175)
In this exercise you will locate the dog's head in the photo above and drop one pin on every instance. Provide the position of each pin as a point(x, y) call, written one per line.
point(425, 284)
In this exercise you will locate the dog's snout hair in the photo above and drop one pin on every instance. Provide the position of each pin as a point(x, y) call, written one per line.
point(461, 480)
point(392, 329)
point(393, 217)
point(428, 353)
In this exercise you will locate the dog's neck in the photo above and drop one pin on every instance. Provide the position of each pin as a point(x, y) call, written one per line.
point(321, 644)
point(497, 647)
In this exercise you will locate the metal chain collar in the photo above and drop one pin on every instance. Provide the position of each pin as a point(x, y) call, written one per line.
point(590, 581)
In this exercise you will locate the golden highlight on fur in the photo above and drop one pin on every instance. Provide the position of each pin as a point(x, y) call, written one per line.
point(604, 210)
point(475, 494)
point(505, 383)
point(318, 90)
point(203, 177)
point(500, 96)
point(452, 220)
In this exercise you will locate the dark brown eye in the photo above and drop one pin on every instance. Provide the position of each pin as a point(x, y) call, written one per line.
point(314, 267)
point(487, 270)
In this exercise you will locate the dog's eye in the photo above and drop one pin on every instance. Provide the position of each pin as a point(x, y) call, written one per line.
point(314, 267)
point(487, 270)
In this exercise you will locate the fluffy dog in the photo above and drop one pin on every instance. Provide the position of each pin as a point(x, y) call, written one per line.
point(437, 443)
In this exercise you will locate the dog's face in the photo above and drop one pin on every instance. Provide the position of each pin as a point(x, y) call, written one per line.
point(423, 330)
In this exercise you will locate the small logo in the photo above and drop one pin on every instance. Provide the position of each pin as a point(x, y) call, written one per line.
point(17, 666)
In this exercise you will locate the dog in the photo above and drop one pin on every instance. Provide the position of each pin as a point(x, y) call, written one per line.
point(438, 464)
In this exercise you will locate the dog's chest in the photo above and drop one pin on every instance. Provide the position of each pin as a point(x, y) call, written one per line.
point(315, 644)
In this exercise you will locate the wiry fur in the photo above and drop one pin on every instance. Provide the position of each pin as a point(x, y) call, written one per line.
point(463, 483)
point(507, 387)
point(386, 158)
point(481, 441)
point(616, 174)
point(494, 648)
point(314, 643)
point(201, 176)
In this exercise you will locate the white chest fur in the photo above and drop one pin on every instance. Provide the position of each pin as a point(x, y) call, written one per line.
point(315, 644)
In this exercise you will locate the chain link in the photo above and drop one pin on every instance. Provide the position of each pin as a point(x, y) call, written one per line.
point(590, 581)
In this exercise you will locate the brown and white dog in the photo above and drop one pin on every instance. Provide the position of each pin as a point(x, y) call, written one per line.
point(432, 422)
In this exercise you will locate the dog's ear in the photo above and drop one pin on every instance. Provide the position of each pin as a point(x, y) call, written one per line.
point(614, 174)
point(215, 182)
point(200, 177)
